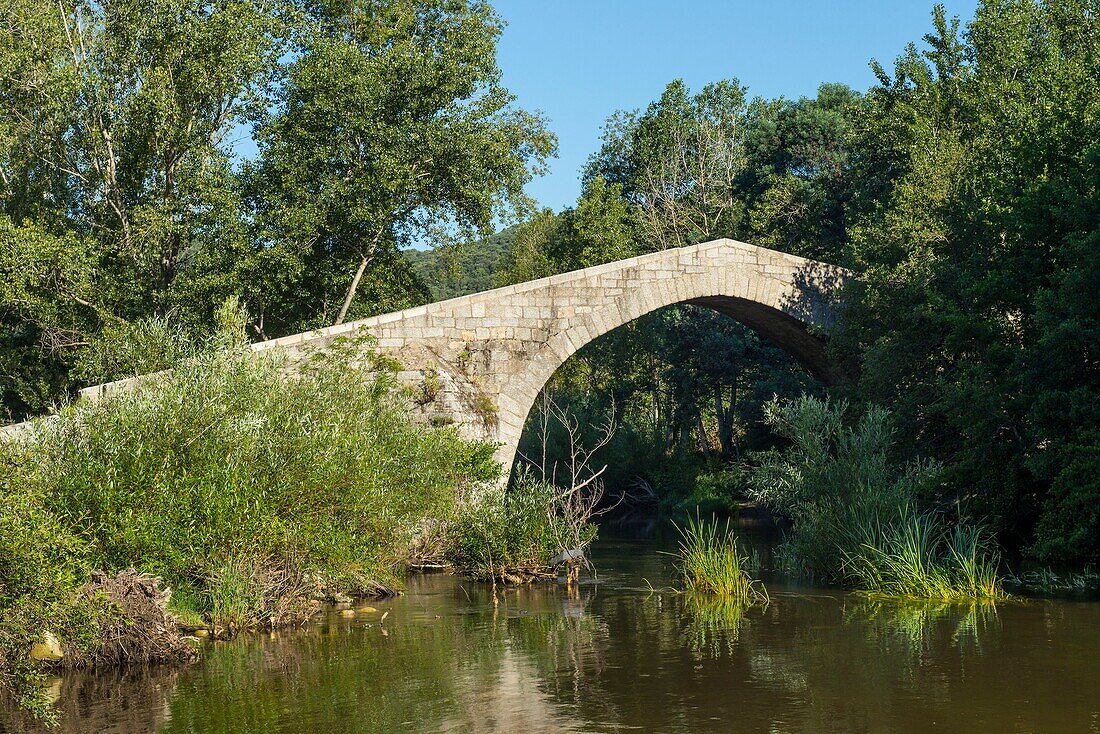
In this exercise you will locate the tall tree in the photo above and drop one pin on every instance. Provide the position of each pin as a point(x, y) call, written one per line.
point(679, 163)
point(975, 318)
point(393, 122)
point(115, 160)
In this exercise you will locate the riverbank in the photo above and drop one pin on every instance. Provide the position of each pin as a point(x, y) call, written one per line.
point(248, 493)
point(610, 655)
point(234, 494)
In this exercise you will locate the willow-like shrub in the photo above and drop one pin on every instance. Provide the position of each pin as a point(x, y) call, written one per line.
point(854, 511)
point(514, 532)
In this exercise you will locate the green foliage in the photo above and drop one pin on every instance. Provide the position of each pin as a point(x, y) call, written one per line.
point(1069, 527)
point(838, 484)
point(711, 562)
point(692, 484)
point(127, 349)
point(392, 121)
point(972, 320)
point(600, 229)
point(228, 458)
point(503, 530)
point(678, 163)
point(919, 558)
point(854, 510)
point(41, 568)
point(457, 269)
point(122, 197)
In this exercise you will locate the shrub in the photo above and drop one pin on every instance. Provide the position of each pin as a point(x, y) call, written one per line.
point(235, 461)
point(515, 532)
point(853, 509)
point(40, 571)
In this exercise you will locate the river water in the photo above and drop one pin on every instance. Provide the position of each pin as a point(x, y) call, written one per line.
point(621, 653)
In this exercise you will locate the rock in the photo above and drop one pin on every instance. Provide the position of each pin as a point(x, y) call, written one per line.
point(201, 632)
point(366, 610)
point(52, 689)
point(48, 649)
point(347, 613)
point(341, 598)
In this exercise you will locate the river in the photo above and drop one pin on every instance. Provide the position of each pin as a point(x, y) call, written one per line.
point(623, 653)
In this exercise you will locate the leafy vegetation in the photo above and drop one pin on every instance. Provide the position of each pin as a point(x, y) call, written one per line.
point(514, 533)
point(250, 492)
point(123, 196)
point(457, 269)
point(711, 562)
point(854, 510)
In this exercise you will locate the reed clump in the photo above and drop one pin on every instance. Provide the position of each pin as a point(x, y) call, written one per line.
point(853, 508)
point(920, 558)
point(710, 561)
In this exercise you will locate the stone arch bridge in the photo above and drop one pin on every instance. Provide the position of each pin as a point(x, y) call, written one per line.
point(480, 361)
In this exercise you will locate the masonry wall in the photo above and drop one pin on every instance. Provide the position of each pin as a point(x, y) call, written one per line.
point(480, 361)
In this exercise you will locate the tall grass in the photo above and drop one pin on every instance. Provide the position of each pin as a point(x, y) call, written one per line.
point(853, 508)
point(920, 559)
point(710, 561)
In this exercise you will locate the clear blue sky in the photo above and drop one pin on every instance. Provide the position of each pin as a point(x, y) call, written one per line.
point(578, 61)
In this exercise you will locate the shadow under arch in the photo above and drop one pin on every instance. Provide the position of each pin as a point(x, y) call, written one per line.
point(793, 315)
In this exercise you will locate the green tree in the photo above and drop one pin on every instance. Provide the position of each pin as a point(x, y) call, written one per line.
point(973, 320)
point(678, 163)
point(115, 165)
point(393, 121)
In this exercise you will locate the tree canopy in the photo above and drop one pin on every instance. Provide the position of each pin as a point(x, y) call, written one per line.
point(963, 186)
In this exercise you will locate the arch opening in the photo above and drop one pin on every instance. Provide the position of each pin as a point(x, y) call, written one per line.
point(685, 384)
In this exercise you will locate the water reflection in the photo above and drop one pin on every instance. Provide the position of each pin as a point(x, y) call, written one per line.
point(616, 656)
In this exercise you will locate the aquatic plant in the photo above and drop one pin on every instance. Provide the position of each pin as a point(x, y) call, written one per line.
point(1048, 581)
point(710, 561)
point(853, 509)
point(919, 558)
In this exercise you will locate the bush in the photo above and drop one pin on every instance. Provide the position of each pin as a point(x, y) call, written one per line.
point(515, 532)
point(125, 349)
point(689, 485)
point(40, 571)
point(1069, 528)
point(234, 462)
point(854, 511)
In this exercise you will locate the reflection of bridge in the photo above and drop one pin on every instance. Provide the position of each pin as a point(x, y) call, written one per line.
point(481, 360)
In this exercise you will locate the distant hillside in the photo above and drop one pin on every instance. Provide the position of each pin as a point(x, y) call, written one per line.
point(466, 268)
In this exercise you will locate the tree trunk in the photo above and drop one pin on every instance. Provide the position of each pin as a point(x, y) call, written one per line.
point(351, 289)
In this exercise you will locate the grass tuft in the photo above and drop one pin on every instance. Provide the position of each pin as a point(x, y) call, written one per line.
point(710, 561)
point(918, 558)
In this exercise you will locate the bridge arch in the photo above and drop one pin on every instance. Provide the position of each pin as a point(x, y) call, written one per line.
point(790, 305)
point(480, 361)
